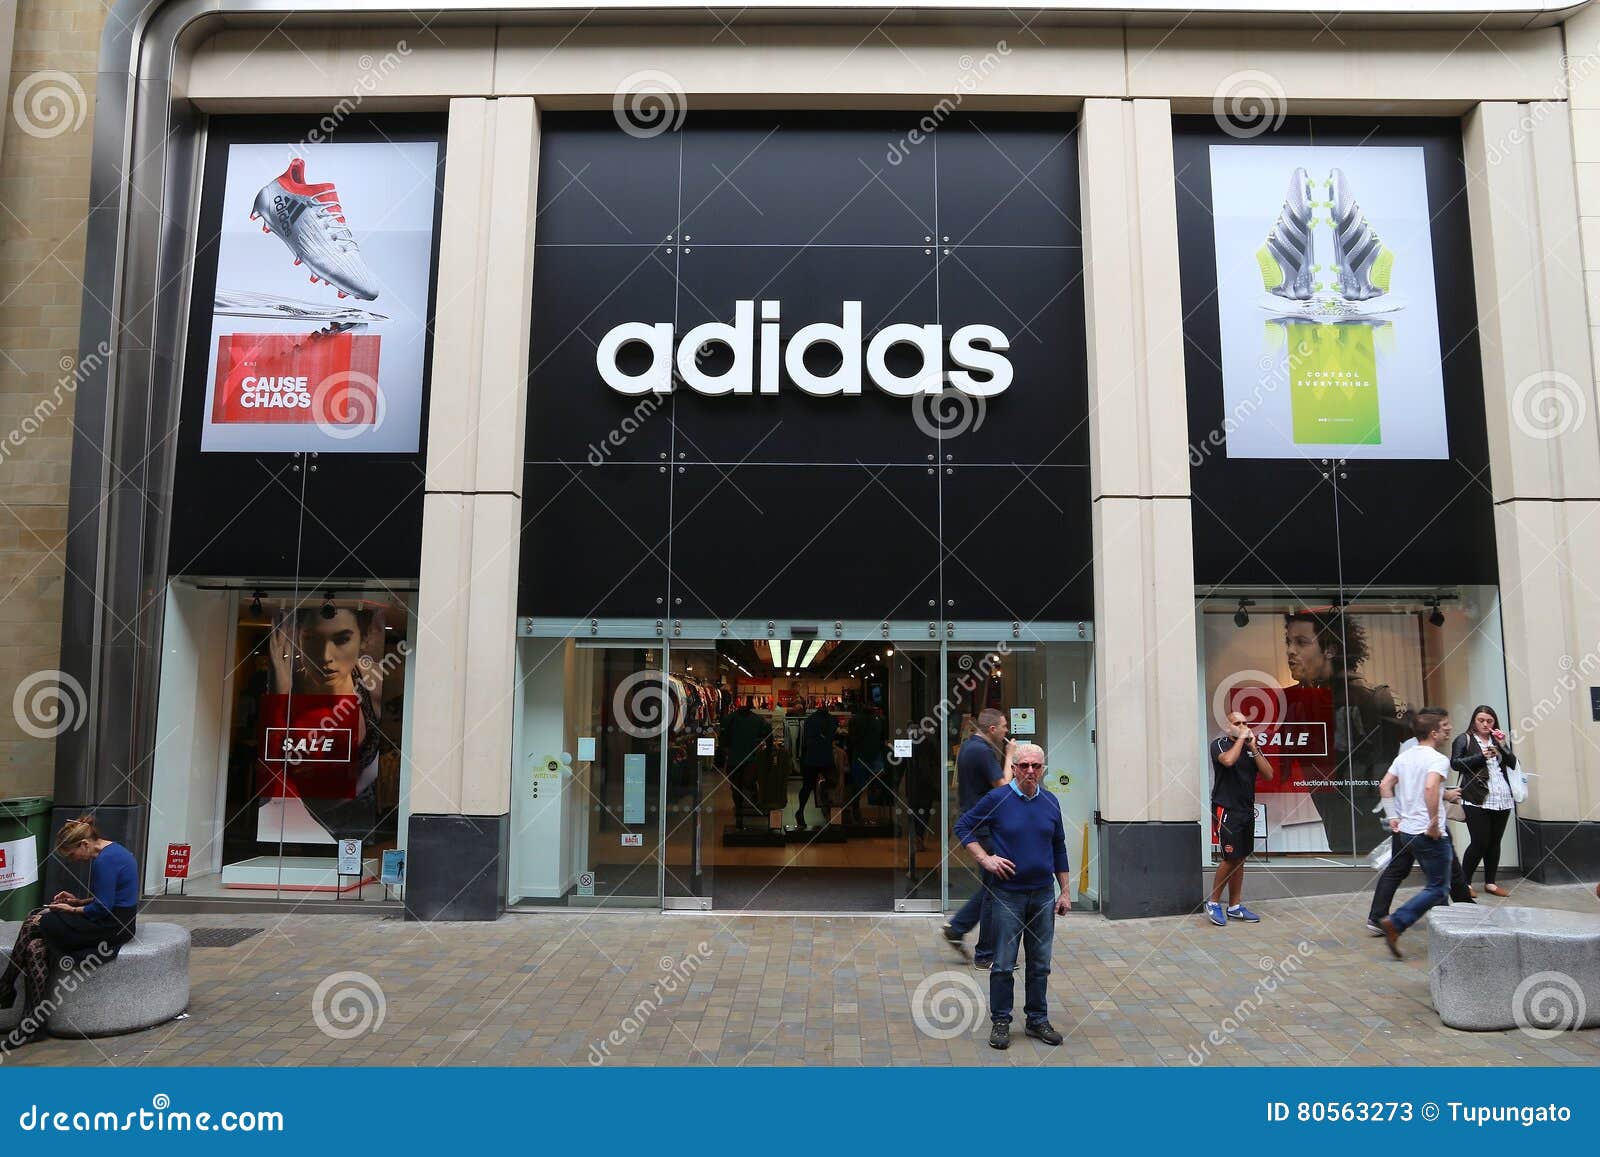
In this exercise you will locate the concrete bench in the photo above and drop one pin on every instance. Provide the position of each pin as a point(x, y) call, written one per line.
point(1504, 968)
point(147, 984)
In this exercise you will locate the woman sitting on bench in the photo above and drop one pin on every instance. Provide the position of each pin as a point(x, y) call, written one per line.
point(100, 923)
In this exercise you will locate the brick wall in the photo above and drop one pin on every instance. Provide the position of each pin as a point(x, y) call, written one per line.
point(44, 188)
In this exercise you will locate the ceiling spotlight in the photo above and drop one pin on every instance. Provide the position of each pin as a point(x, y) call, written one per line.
point(1241, 617)
point(1437, 618)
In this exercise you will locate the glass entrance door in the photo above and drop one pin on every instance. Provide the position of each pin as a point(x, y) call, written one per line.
point(742, 770)
point(1043, 693)
point(696, 774)
point(912, 674)
point(586, 794)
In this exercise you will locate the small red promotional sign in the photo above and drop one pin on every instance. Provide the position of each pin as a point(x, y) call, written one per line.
point(178, 861)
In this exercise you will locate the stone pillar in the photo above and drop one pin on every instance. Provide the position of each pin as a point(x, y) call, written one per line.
point(462, 742)
point(1149, 763)
point(1544, 455)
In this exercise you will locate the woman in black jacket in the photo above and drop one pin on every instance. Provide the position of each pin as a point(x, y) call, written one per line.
point(1481, 758)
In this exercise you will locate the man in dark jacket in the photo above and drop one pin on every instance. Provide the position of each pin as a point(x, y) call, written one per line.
point(982, 764)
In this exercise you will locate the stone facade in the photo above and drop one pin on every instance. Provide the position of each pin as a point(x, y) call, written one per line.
point(44, 192)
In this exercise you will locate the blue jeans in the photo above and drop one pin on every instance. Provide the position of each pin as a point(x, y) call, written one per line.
point(978, 911)
point(1435, 857)
point(1028, 919)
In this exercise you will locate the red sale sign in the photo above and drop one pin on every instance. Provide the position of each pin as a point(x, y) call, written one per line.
point(177, 861)
point(309, 745)
point(328, 379)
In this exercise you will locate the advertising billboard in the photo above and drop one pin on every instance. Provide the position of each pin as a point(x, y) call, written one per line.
point(1326, 302)
point(321, 304)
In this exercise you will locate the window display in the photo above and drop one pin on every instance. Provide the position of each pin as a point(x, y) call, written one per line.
point(1329, 687)
point(282, 716)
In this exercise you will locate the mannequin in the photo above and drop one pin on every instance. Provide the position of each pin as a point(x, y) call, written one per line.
point(816, 756)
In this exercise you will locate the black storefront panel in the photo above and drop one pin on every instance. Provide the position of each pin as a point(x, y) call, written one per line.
point(825, 502)
point(1343, 517)
point(331, 514)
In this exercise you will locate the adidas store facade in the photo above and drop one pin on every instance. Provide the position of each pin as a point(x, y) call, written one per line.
point(556, 457)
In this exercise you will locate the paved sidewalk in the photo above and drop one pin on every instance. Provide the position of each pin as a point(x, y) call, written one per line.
point(1305, 986)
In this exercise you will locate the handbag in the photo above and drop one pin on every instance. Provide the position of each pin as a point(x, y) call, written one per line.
point(1517, 780)
point(1456, 812)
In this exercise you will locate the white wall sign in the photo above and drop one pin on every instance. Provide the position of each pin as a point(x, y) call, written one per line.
point(19, 863)
point(349, 857)
point(632, 839)
point(971, 347)
point(1022, 721)
point(705, 745)
point(902, 749)
point(586, 747)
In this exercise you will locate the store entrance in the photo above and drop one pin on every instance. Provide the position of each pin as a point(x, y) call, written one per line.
point(764, 770)
point(787, 790)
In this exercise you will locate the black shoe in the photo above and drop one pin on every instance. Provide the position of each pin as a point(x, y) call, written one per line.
point(800, 821)
point(1000, 1035)
point(17, 1038)
point(950, 934)
point(1042, 1030)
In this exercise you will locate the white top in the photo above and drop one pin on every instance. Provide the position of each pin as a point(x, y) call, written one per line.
point(1412, 768)
point(1499, 797)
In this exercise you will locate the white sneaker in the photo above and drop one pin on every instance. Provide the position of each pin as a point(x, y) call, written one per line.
point(310, 221)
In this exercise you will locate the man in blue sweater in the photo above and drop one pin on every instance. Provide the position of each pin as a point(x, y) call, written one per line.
point(1030, 845)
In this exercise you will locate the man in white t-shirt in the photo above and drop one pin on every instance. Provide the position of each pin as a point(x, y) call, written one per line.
point(1413, 793)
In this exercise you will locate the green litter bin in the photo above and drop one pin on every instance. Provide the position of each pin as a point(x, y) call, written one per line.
point(24, 847)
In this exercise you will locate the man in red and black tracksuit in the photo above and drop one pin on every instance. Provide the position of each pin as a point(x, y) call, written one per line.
point(1236, 761)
